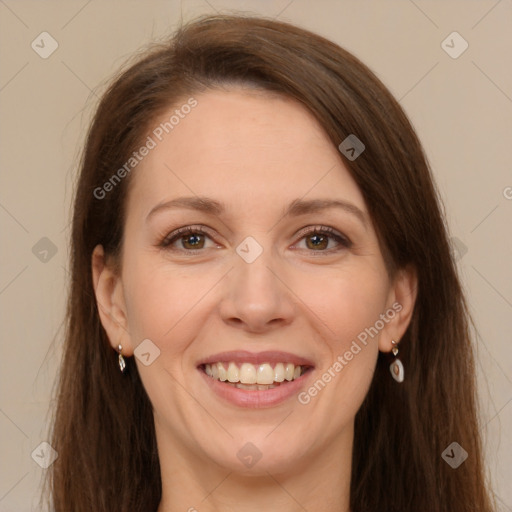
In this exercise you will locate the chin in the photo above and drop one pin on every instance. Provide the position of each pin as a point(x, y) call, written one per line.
point(261, 456)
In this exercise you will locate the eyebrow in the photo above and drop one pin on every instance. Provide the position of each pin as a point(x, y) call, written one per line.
point(294, 209)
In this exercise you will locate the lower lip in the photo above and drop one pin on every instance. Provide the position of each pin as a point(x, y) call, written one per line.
point(254, 398)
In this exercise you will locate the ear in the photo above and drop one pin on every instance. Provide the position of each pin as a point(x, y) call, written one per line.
point(401, 300)
point(108, 288)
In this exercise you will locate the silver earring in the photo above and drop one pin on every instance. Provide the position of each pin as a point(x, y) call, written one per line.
point(396, 367)
point(122, 362)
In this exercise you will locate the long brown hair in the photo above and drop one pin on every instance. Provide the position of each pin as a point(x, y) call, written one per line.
point(103, 429)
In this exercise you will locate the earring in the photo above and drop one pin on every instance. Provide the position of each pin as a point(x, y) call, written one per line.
point(122, 362)
point(396, 367)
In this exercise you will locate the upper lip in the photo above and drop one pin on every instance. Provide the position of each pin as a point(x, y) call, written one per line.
point(243, 356)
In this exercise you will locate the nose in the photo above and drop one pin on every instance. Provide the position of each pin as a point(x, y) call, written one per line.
point(256, 297)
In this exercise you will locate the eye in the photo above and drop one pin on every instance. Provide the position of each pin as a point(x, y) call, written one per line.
point(318, 239)
point(191, 237)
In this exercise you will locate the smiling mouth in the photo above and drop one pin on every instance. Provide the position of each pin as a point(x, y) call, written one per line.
point(257, 377)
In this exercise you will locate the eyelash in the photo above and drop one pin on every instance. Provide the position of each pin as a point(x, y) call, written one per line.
point(343, 241)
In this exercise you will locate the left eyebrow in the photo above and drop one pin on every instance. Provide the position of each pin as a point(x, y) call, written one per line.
point(294, 209)
point(301, 207)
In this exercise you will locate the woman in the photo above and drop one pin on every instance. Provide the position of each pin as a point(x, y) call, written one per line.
point(264, 312)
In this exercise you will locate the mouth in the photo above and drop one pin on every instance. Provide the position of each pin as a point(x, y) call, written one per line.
point(255, 380)
point(254, 377)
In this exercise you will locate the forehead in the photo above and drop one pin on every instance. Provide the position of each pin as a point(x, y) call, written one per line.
point(245, 148)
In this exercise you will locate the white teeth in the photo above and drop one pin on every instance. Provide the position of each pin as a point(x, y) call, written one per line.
point(233, 374)
point(266, 374)
point(247, 374)
point(279, 372)
point(223, 374)
point(288, 371)
point(250, 376)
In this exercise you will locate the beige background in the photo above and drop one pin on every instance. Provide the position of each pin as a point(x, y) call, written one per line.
point(461, 108)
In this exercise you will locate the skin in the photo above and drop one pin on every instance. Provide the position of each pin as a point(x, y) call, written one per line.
point(255, 153)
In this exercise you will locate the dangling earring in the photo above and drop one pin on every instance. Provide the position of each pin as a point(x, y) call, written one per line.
point(396, 367)
point(122, 362)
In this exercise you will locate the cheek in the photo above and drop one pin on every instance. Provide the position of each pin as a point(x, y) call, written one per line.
point(350, 307)
point(346, 302)
point(158, 300)
point(347, 308)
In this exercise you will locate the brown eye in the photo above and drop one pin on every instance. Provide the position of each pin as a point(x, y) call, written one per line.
point(320, 238)
point(195, 241)
point(317, 241)
point(191, 238)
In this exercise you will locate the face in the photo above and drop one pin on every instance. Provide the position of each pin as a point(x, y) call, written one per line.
point(274, 281)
